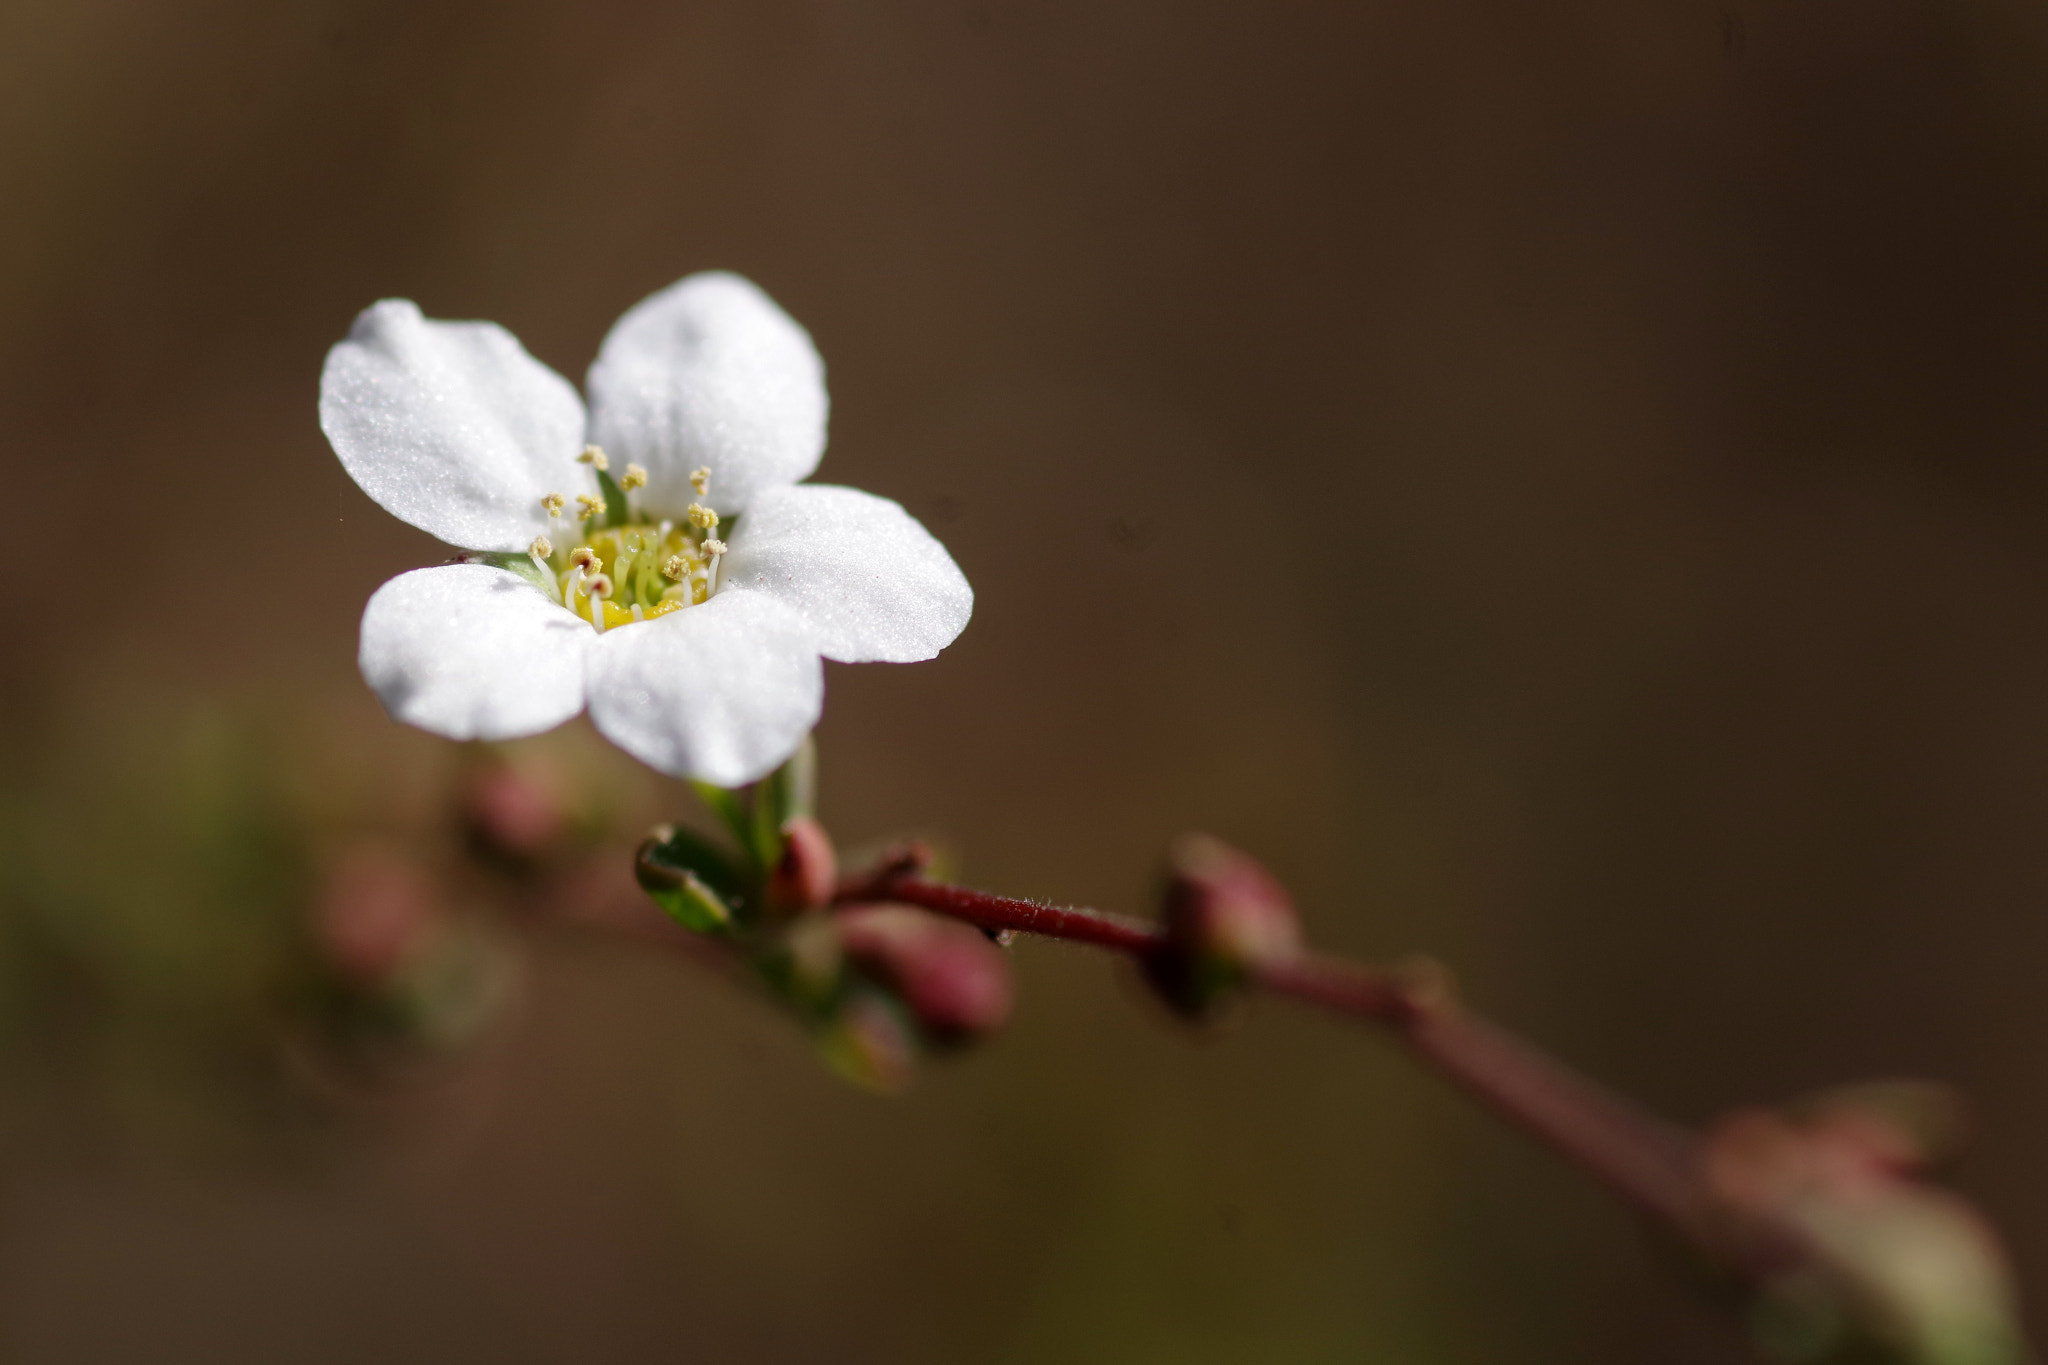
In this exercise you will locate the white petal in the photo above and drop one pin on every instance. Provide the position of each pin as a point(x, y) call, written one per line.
point(723, 692)
point(709, 372)
point(472, 652)
point(871, 583)
point(451, 426)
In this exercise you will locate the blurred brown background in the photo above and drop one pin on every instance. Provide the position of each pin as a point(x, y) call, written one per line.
point(1560, 481)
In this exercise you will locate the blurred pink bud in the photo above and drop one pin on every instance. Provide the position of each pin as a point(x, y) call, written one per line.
point(1902, 1126)
point(808, 873)
point(1225, 917)
point(953, 979)
point(1848, 1139)
point(511, 813)
point(1877, 1259)
point(870, 1043)
point(373, 908)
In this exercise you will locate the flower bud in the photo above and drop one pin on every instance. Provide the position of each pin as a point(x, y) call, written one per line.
point(954, 981)
point(870, 1043)
point(373, 910)
point(511, 816)
point(807, 874)
point(1225, 918)
point(1880, 1263)
point(1900, 1126)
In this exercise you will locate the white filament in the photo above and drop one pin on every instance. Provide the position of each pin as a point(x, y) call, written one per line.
point(547, 575)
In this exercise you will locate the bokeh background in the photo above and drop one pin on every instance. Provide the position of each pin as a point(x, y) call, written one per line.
point(1561, 482)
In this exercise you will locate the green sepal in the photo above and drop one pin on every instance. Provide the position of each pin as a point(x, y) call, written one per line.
point(512, 561)
point(725, 804)
point(805, 968)
point(691, 879)
point(791, 790)
point(616, 512)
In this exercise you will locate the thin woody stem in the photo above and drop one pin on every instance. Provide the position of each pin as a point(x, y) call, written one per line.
point(1655, 1165)
point(987, 911)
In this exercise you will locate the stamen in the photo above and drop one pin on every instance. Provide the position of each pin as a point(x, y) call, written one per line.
point(538, 552)
point(634, 477)
point(594, 457)
point(700, 480)
point(640, 571)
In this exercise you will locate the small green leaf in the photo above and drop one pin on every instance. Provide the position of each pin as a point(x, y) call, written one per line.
point(615, 510)
point(512, 561)
point(686, 849)
point(690, 878)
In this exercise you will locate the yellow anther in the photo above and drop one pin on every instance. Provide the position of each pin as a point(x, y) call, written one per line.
point(554, 502)
point(634, 477)
point(714, 548)
point(585, 558)
point(541, 548)
point(598, 585)
point(594, 457)
point(587, 506)
point(701, 481)
point(701, 516)
point(676, 569)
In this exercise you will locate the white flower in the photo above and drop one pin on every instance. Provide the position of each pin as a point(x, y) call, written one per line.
point(654, 559)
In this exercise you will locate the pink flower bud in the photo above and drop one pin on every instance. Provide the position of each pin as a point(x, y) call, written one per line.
point(870, 1043)
point(1225, 918)
point(373, 909)
point(808, 873)
point(1848, 1251)
point(952, 978)
point(1902, 1126)
point(512, 815)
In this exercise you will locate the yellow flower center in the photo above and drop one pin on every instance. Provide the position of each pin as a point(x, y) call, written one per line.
point(615, 570)
point(625, 574)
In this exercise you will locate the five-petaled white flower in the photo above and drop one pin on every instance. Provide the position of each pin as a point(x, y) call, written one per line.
point(654, 558)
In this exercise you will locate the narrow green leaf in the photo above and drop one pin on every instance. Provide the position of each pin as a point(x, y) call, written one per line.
point(690, 878)
point(684, 848)
point(512, 561)
point(691, 904)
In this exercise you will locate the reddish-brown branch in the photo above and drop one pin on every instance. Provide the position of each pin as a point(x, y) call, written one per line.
point(1652, 1163)
point(1006, 912)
